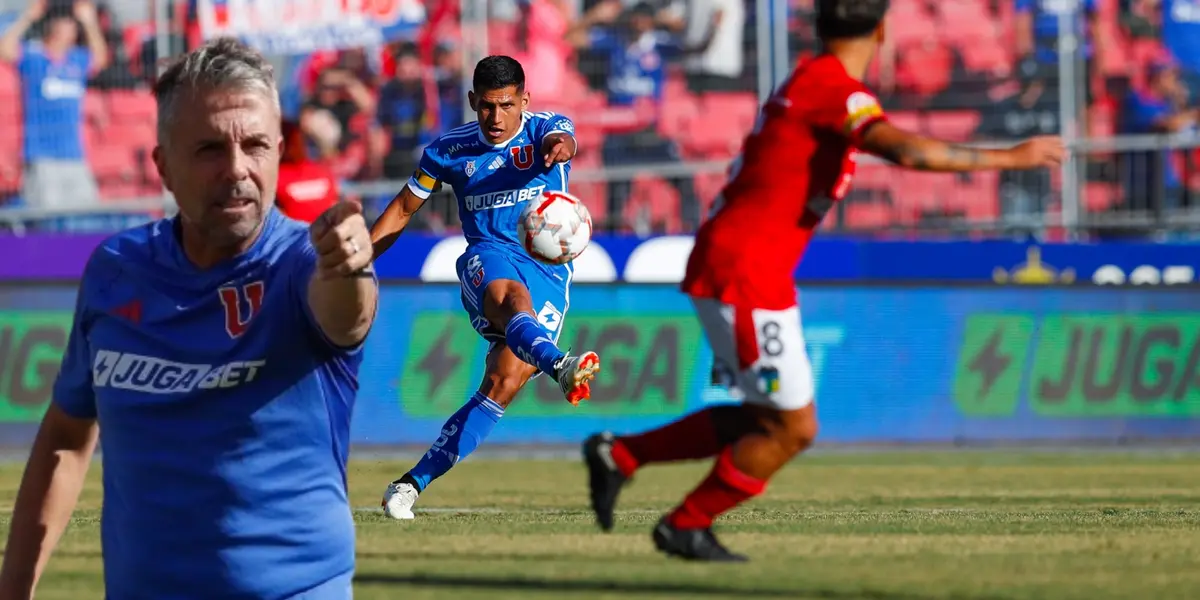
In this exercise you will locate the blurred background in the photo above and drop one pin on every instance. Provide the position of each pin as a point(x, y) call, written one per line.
point(663, 92)
point(921, 282)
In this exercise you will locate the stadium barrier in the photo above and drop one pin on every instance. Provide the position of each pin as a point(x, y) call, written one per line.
point(966, 361)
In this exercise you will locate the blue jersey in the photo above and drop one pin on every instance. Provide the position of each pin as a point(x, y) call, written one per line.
point(493, 182)
point(1143, 111)
point(52, 95)
point(1045, 24)
point(637, 67)
point(224, 418)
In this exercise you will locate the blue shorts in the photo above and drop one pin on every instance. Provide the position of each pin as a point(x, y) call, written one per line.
point(549, 287)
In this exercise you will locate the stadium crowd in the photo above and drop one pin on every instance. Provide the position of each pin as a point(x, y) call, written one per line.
point(658, 88)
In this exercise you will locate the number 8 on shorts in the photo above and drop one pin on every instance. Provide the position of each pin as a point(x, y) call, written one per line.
point(759, 354)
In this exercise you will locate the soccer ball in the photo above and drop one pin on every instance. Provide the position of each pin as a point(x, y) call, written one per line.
point(555, 228)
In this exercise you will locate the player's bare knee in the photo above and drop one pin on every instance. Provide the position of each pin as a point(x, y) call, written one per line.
point(799, 428)
point(793, 430)
point(505, 298)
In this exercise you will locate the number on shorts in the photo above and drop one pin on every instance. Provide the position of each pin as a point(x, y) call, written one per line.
point(772, 345)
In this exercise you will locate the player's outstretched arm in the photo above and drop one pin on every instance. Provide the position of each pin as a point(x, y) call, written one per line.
point(343, 293)
point(926, 154)
point(58, 464)
point(394, 219)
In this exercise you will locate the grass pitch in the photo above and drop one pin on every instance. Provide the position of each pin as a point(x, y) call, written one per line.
point(978, 525)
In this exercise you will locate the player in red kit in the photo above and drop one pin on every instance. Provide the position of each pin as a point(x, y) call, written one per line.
point(795, 165)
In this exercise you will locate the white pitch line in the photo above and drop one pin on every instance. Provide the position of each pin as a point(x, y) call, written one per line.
point(503, 511)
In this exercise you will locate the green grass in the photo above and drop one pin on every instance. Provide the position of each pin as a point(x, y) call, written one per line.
point(904, 525)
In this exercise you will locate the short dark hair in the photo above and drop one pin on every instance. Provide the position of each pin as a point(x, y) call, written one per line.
point(844, 19)
point(496, 72)
point(404, 49)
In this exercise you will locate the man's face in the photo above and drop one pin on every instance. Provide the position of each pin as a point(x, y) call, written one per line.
point(1166, 82)
point(641, 22)
point(61, 32)
point(448, 60)
point(408, 68)
point(499, 112)
point(221, 160)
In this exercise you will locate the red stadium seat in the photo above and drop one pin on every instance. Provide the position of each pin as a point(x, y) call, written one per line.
point(11, 137)
point(957, 126)
point(131, 106)
point(10, 171)
point(708, 185)
point(737, 110)
point(978, 195)
point(979, 41)
point(95, 108)
point(109, 163)
point(906, 120)
point(910, 23)
point(682, 109)
point(1100, 197)
point(655, 194)
point(960, 22)
point(923, 68)
point(868, 215)
point(915, 193)
point(722, 125)
point(593, 193)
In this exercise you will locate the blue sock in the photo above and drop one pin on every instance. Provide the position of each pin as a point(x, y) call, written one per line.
point(526, 338)
point(461, 435)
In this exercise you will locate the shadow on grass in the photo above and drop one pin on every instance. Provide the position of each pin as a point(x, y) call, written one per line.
point(531, 584)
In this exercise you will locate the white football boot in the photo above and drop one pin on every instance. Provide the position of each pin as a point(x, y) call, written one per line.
point(398, 500)
point(575, 374)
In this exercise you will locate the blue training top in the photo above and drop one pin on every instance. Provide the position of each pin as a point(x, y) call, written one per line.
point(493, 181)
point(224, 418)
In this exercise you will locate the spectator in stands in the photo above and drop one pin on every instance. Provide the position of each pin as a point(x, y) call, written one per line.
point(637, 57)
point(306, 187)
point(1143, 20)
point(1024, 195)
point(1181, 35)
point(54, 74)
point(1037, 39)
point(326, 116)
point(717, 27)
point(401, 116)
point(1151, 179)
point(447, 71)
point(118, 74)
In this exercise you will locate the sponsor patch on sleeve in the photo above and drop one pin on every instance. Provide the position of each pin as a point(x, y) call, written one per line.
point(861, 108)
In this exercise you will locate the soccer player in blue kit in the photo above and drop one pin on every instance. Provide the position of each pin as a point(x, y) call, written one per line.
point(495, 166)
point(218, 352)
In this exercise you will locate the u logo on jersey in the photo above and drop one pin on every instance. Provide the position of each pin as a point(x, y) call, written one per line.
point(522, 156)
point(231, 298)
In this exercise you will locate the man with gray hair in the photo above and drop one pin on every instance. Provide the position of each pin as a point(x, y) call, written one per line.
point(218, 350)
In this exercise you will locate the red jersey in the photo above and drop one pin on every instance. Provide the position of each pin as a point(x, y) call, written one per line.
point(795, 165)
point(305, 190)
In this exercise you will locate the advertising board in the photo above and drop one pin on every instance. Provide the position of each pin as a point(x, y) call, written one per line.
point(902, 364)
point(417, 257)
